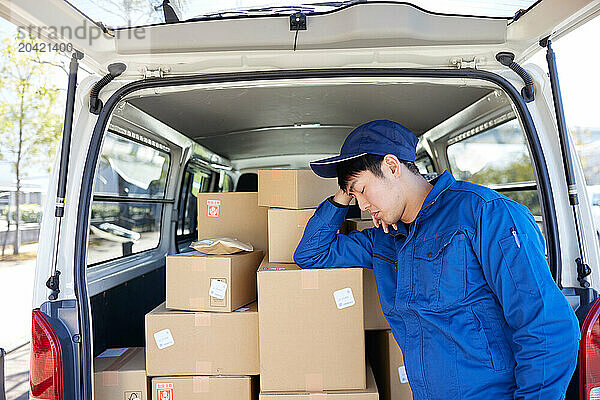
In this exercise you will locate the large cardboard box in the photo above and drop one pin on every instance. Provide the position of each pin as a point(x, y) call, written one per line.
point(388, 365)
point(198, 282)
point(202, 343)
point(121, 374)
point(234, 215)
point(286, 228)
point(374, 318)
point(370, 393)
point(204, 388)
point(311, 328)
point(293, 188)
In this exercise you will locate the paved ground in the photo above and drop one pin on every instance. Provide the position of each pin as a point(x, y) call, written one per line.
point(15, 302)
point(17, 374)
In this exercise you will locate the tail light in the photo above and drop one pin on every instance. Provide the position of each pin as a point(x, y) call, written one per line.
point(45, 377)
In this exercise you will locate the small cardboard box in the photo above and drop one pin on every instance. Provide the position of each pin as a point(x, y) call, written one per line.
point(293, 188)
point(374, 318)
point(286, 228)
point(204, 388)
point(311, 328)
point(121, 374)
point(388, 365)
point(235, 215)
point(364, 214)
point(198, 282)
point(357, 224)
point(202, 343)
point(370, 393)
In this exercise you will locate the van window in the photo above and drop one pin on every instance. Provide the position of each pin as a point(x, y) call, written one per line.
point(498, 158)
point(424, 164)
point(196, 179)
point(129, 196)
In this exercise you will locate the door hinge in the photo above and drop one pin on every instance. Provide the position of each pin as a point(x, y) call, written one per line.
point(461, 63)
point(158, 72)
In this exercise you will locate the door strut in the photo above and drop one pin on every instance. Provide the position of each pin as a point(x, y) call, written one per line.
point(53, 281)
point(583, 269)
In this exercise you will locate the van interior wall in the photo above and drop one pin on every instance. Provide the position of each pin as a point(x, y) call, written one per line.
point(118, 313)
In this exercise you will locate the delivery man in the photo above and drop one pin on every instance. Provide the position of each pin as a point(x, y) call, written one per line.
point(460, 270)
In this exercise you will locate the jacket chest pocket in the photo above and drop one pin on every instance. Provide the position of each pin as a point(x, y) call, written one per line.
point(385, 269)
point(439, 270)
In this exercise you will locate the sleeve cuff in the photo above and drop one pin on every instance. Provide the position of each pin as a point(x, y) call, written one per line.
point(338, 205)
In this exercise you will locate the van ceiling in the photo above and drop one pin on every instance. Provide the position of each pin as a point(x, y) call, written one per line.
point(241, 123)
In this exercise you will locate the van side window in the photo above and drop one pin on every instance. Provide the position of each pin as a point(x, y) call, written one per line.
point(497, 158)
point(196, 179)
point(129, 196)
point(424, 164)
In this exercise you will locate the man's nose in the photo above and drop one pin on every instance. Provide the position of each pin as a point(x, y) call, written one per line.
point(363, 204)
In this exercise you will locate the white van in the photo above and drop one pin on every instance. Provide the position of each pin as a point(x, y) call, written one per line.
point(199, 104)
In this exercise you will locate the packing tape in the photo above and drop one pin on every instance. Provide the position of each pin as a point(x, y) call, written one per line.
point(202, 319)
point(196, 303)
point(201, 384)
point(275, 199)
point(317, 396)
point(310, 278)
point(313, 382)
point(110, 378)
point(203, 367)
point(277, 174)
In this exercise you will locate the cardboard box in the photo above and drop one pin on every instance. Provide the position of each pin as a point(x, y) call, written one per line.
point(311, 328)
point(370, 393)
point(388, 366)
point(204, 388)
point(202, 343)
point(198, 282)
point(121, 374)
point(364, 214)
point(374, 318)
point(234, 215)
point(357, 224)
point(293, 188)
point(286, 228)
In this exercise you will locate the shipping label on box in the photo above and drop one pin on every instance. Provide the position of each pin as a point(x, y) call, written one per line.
point(304, 350)
point(204, 388)
point(202, 343)
point(198, 282)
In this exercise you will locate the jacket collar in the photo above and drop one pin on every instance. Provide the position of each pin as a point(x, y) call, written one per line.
point(440, 185)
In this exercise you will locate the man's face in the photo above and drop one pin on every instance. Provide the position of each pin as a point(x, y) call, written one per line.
point(383, 197)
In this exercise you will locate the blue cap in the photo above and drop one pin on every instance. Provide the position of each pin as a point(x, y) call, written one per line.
point(376, 137)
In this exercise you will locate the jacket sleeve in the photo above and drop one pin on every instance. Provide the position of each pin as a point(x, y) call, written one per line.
point(322, 247)
point(510, 248)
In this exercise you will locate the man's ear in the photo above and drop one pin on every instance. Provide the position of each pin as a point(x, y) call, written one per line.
point(392, 164)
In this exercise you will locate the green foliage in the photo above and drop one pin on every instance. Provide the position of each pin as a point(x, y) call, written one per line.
point(30, 118)
point(30, 213)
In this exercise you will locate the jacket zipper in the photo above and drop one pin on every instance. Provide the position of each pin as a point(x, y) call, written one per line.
point(384, 258)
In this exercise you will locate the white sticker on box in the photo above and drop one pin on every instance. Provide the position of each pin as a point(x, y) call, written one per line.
point(217, 289)
point(344, 298)
point(164, 339)
point(402, 374)
point(114, 352)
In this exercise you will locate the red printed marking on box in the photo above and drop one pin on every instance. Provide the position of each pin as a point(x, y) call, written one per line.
point(213, 208)
point(164, 391)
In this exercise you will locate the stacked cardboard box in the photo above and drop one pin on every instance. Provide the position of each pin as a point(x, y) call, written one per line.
point(388, 365)
point(202, 342)
point(311, 328)
point(292, 196)
point(121, 374)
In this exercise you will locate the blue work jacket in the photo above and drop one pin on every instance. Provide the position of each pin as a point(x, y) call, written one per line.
point(467, 292)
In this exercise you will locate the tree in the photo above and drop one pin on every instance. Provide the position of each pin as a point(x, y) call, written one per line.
point(30, 123)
